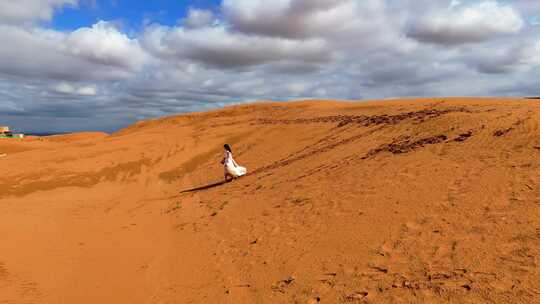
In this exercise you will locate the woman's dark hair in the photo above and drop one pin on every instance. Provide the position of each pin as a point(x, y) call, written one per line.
point(227, 147)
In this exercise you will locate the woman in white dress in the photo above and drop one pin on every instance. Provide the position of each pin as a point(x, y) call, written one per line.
point(232, 169)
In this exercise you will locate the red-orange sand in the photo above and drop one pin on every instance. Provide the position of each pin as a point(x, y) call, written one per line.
point(406, 201)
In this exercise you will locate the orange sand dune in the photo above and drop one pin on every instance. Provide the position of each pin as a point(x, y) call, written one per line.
point(404, 201)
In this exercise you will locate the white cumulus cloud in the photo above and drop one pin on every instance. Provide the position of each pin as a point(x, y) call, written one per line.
point(199, 18)
point(466, 23)
point(217, 47)
point(25, 11)
point(67, 88)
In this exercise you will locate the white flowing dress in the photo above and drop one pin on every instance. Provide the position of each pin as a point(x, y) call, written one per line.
point(231, 167)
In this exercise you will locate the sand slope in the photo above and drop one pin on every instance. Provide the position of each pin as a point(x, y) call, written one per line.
point(406, 201)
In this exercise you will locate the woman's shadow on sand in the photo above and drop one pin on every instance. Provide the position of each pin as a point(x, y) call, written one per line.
point(206, 187)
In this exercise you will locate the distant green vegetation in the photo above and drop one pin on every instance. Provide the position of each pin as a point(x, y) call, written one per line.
point(11, 136)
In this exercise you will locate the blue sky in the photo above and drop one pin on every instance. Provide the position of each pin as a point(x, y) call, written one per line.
point(129, 14)
point(72, 65)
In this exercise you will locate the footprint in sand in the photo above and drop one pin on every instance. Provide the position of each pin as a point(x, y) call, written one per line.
point(443, 251)
point(282, 285)
point(413, 227)
point(356, 296)
point(327, 279)
point(386, 249)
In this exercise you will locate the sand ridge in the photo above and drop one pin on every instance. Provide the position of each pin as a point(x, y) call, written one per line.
point(402, 201)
